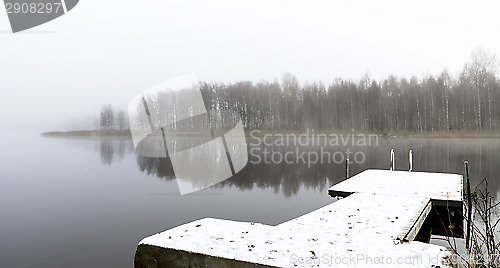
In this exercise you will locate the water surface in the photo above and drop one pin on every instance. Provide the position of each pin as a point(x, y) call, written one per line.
point(87, 202)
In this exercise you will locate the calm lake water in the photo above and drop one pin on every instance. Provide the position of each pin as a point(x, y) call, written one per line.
point(87, 202)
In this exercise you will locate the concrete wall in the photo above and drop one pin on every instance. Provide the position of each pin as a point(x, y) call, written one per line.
point(148, 256)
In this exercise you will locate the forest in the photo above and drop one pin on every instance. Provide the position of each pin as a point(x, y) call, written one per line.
point(468, 102)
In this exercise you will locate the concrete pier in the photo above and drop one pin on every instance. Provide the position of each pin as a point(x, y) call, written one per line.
point(378, 222)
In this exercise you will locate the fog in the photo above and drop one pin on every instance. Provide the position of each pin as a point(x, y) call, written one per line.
point(59, 74)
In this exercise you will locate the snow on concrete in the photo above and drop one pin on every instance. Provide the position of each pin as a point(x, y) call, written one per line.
point(360, 230)
point(436, 186)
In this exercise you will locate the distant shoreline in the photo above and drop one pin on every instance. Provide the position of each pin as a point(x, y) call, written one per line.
point(89, 133)
point(263, 132)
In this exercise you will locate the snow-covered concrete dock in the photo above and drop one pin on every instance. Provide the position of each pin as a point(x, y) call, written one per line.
point(442, 189)
point(375, 225)
point(436, 186)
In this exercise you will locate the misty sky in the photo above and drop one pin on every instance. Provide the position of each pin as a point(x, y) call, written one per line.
point(109, 51)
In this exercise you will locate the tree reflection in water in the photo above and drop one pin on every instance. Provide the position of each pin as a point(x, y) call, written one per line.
point(429, 154)
point(113, 150)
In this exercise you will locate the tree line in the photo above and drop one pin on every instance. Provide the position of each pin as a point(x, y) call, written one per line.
point(468, 102)
point(432, 103)
point(112, 118)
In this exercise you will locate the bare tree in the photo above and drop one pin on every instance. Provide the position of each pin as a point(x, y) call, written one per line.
point(121, 119)
point(106, 117)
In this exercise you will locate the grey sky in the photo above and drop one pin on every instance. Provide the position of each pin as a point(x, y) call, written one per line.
point(108, 51)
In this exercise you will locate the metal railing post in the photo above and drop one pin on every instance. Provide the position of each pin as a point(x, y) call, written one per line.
point(469, 204)
point(347, 168)
point(410, 159)
point(393, 161)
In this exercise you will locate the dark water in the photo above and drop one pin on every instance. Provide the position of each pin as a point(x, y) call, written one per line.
point(69, 202)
